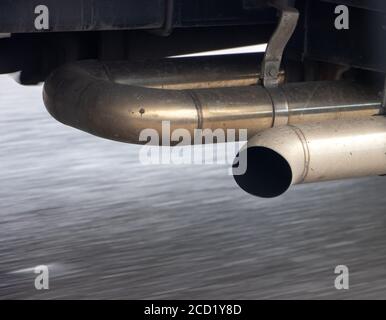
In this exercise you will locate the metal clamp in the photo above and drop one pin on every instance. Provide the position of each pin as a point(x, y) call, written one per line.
point(276, 46)
point(280, 106)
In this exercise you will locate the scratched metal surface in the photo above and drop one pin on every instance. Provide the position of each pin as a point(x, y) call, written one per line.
point(111, 228)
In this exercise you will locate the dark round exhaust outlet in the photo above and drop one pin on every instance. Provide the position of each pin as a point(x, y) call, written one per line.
point(268, 174)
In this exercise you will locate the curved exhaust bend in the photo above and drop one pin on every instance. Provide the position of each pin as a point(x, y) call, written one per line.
point(82, 95)
point(280, 157)
point(94, 97)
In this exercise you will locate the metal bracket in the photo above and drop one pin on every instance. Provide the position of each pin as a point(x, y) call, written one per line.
point(276, 46)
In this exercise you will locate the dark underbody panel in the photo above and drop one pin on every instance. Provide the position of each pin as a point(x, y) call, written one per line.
point(137, 30)
point(123, 30)
point(91, 15)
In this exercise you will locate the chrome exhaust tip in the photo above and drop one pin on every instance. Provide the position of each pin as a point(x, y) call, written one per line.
point(341, 149)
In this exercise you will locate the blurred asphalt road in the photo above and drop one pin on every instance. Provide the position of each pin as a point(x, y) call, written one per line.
point(111, 228)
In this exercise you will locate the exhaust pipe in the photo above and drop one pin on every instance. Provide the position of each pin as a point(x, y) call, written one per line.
point(188, 73)
point(280, 157)
point(118, 101)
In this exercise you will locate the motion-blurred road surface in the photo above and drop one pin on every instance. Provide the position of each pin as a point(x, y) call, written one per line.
point(108, 227)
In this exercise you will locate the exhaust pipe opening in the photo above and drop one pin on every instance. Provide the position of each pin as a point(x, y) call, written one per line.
point(268, 174)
